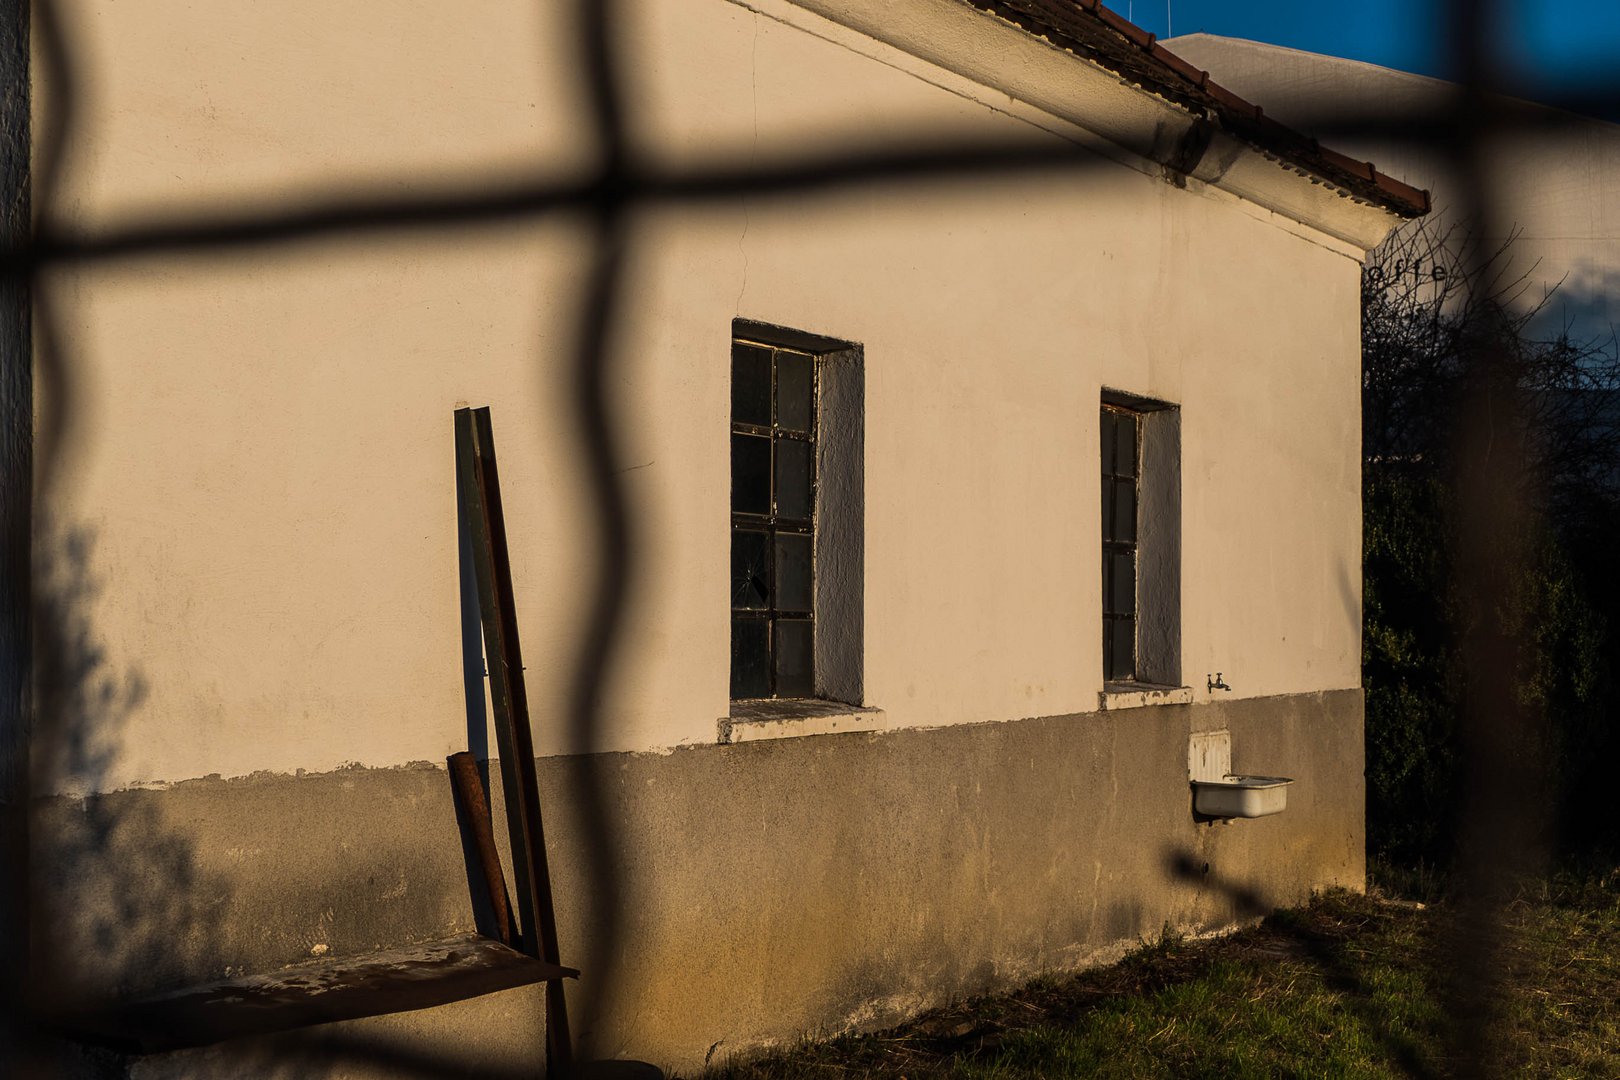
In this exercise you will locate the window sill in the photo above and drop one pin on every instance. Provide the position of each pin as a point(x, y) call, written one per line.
point(1133, 695)
point(775, 718)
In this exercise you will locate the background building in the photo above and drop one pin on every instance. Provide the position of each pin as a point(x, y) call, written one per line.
point(1552, 178)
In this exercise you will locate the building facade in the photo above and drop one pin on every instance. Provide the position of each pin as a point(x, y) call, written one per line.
point(961, 505)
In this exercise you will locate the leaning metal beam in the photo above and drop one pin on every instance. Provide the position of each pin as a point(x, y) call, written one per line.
point(475, 457)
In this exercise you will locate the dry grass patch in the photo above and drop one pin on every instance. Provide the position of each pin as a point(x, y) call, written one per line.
point(1347, 986)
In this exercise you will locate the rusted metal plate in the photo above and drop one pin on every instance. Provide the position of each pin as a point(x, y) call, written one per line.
point(469, 788)
point(319, 992)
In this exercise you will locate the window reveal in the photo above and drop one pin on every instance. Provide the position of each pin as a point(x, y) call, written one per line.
point(773, 482)
point(1121, 480)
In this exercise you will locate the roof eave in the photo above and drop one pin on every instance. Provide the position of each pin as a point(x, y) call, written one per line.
point(1104, 37)
point(1185, 142)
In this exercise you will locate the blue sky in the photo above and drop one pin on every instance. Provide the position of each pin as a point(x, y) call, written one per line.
point(1545, 44)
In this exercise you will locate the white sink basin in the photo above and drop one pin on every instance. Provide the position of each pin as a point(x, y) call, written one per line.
point(1241, 796)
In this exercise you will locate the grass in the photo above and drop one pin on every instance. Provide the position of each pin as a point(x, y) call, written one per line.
point(1347, 986)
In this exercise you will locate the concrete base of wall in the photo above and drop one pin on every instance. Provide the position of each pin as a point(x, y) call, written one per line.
point(493, 1037)
point(724, 899)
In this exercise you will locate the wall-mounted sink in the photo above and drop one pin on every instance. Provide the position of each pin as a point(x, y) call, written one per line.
point(1241, 796)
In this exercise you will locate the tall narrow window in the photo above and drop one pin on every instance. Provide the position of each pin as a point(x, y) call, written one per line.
point(773, 498)
point(1121, 481)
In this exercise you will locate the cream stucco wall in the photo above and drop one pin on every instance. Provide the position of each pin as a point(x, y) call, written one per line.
point(260, 462)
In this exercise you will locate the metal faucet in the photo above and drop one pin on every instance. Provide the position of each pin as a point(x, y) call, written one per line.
point(1217, 683)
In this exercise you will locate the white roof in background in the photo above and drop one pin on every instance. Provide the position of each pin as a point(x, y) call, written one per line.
point(1556, 180)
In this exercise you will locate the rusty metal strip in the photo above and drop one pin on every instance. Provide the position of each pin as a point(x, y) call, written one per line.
point(475, 457)
point(469, 788)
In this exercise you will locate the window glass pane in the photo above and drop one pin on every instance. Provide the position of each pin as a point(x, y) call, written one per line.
point(1107, 507)
point(793, 479)
point(1123, 525)
point(1125, 444)
point(750, 658)
point(750, 385)
point(750, 572)
point(1121, 598)
point(1107, 440)
point(793, 383)
point(795, 650)
point(1122, 633)
point(792, 572)
point(750, 474)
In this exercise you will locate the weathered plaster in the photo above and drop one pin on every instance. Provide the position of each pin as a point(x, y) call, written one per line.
point(765, 890)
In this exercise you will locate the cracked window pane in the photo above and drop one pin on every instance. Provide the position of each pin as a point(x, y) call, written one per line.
point(773, 484)
point(750, 569)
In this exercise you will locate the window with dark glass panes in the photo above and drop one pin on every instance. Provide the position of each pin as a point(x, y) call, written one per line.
point(773, 479)
point(1121, 477)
